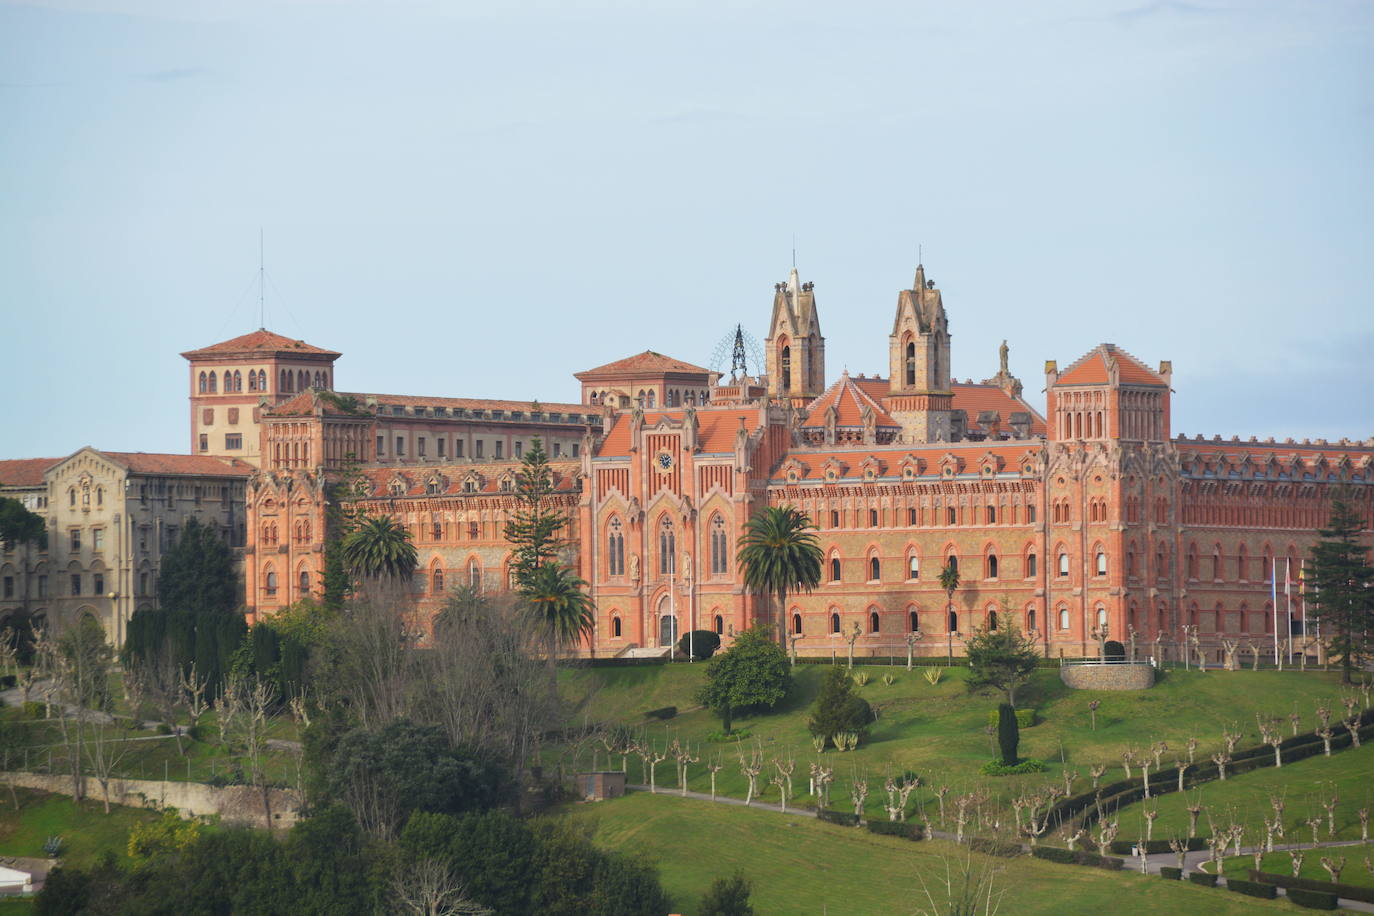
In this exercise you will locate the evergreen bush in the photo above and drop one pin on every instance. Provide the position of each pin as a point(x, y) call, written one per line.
point(1251, 888)
point(699, 644)
point(1008, 734)
point(1313, 900)
point(1201, 877)
point(837, 709)
point(1171, 873)
point(896, 828)
point(843, 818)
point(1025, 718)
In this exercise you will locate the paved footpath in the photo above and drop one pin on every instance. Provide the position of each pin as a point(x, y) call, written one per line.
point(1192, 861)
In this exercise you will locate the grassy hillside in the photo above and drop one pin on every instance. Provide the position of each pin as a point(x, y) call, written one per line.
point(87, 832)
point(939, 732)
point(1280, 863)
point(799, 865)
point(1244, 799)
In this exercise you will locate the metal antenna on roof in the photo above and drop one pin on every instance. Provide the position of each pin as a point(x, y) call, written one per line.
point(794, 250)
point(262, 322)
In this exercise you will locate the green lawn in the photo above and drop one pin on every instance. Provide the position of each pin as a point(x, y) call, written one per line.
point(799, 865)
point(938, 731)
point(87, 832)
point(1245, 798)
point(1280, 863)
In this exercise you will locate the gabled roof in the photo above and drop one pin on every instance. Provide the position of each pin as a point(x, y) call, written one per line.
point(645, 363)
point(416, 478)
point(849, 399)
point(811, 466)
point(24, 472)
point(259, 341)
point(973, 399)
point(716, 429)
point(1091, 368)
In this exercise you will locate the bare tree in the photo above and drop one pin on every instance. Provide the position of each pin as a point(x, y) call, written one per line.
point(1334, 866)
point(966, 889)
point(1180, 849)
point(1229, 646)
point(714, 767)
point(1330, 804)
point(858, 794)
point(1092, 712)
point(851, 636)
point(1269, 734)
point(106, 747)
point(427, 887)
point(1296, 857)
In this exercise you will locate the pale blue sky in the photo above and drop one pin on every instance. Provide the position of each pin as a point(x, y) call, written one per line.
point(481, 199)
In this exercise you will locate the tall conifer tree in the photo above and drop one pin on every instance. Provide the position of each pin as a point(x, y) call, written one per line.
point(1344, 586)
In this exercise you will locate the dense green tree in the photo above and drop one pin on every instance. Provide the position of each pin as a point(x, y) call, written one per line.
point(380, 550)
point(700, 644)
point(752, 673)
point(559, 607)
point(491, 852)
point(385, 775)
point(20, 526)
point(198, 574)
point(837, 708)
point(727, 897)
point(1001, 659)
point(85, 655)
point(779, 554)
point(163, 645)
point(1008, 733)
point(1342, 586)
point(534, 531)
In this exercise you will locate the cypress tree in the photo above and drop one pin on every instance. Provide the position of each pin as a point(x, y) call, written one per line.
point(1008, 733)
point(1341, 577)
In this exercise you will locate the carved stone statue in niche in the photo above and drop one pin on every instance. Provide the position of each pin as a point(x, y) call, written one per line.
point(634, 567)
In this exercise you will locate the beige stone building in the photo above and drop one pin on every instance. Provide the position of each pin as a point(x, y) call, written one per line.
point(111, 516)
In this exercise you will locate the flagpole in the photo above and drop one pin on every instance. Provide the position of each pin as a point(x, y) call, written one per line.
point(1274, 601)
point(1288, 593)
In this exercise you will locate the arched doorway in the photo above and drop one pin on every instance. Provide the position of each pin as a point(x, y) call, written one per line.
point(667, 622)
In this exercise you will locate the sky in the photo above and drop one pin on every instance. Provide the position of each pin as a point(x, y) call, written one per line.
point(480, 199)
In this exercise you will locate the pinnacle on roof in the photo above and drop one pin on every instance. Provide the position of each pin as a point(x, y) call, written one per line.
point(260, 341)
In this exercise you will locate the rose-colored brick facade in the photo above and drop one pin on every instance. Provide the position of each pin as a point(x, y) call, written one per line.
point(1091, 514)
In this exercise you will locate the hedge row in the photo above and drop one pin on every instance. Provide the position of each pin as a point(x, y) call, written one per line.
point(1348, 891)
point(1156, 847)
point(995, 847)
point(1203, 878)
point(843, 818)
point(1173, 874)
point(1077, 857)
point(917, 662)
point(1252, 888)
point(896, 828)
point(1313, 900)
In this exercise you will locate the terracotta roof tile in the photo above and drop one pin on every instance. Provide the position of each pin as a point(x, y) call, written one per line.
point(642, 364)
point(1091, 368)
point(974, 399)
point(259, 341)
point(812, 464)
point(200, 465)
point(849, 400)
point(716, 429)
point(24, 472)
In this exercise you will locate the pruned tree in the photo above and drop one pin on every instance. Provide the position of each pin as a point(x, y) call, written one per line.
point(750, 767)
point(1295, 857)
point(106, 746)
point(1334, 865)
point(1269, 734)
point(851, 636)
point(858, 794)
point(1092, 712)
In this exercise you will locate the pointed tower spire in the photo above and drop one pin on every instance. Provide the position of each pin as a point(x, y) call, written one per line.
point(918, 360)
point(795, 349)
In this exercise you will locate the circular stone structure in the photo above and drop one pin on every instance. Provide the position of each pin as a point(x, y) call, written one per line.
point(1119, 676)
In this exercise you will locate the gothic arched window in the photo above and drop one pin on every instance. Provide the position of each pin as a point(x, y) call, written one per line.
point(615, 627)
point(720, 625)
point(910, 364)
point(834, 623)
point(720, 547)
point(262, 380)
point(667, 547)
point(203, 383)
point(796, 624)
point(786, 367)
point(214, 383)
point(834, 569)
point(874, 624)
point(438, 577)
point(615, 549)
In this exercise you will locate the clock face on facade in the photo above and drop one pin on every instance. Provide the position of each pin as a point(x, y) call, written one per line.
point(665, 461)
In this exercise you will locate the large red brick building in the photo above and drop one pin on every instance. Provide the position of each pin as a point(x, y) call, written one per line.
point(1090, 518)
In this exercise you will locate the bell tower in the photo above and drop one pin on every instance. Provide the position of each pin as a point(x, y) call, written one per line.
point(795, 354)
point(920, 396)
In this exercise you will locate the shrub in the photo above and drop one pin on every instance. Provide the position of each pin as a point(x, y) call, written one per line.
point(889, 680)
point(664, 712)
point(896, 828)
point(8, 681)
point(843, 818)
point(1077, 857)
point(52, 847)
point(860, 678)
point(1173, 874)
point(1025, 718)
point(699, 644)
point(837, 709)
point(1155, 847)
point(1313, 900)
point(727, 897)
point(1251, 888)
point(995, 847)
point(33, 710)
point(1201, 877)
point(738, 734)
point(996, 768)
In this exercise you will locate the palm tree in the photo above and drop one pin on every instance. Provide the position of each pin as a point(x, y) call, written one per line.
point(379, 549)
point(779, 554)
point(949, 581)
point(559, 607)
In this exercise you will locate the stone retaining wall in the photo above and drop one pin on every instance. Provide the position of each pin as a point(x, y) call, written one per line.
point(1138, 676)
point(234, 804)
